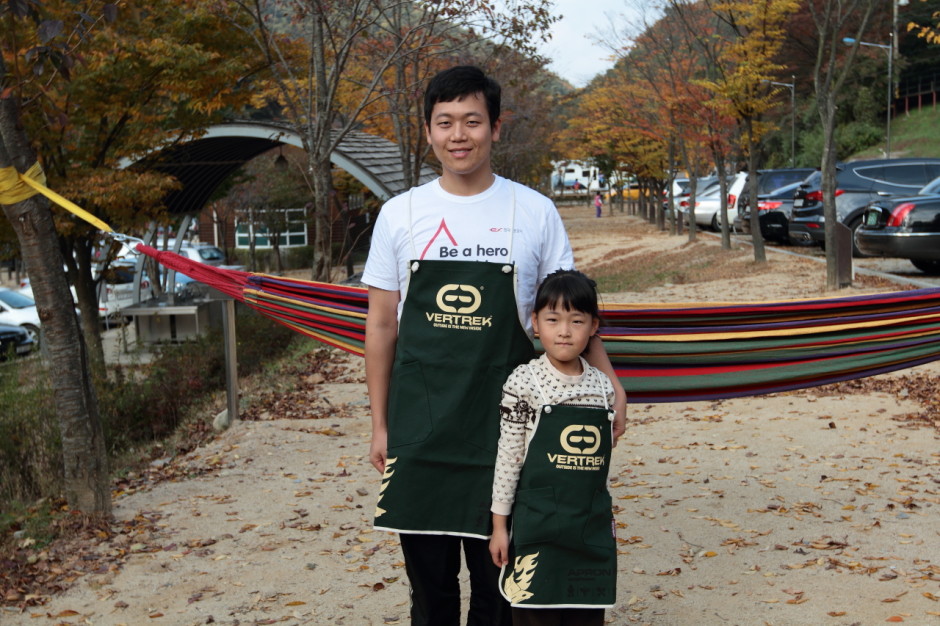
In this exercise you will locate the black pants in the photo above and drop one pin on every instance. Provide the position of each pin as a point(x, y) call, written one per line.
point(433, 566)
point(557, 617)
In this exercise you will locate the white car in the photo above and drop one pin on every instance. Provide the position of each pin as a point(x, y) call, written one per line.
point(707, 206)
point(115, 292)
point(708, 203)
point(17, 309)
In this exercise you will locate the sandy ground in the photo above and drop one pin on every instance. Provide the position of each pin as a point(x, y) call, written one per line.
point(796, 508)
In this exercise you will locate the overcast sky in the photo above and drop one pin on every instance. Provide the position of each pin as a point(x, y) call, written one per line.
point(573, 54)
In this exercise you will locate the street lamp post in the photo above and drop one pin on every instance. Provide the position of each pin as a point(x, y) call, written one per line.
point(792, 87)
point(890, 50)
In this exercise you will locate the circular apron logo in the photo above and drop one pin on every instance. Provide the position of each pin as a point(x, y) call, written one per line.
point(462, 299)
point(581, 439)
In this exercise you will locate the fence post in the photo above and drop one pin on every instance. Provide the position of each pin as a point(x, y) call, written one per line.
point(231, 366)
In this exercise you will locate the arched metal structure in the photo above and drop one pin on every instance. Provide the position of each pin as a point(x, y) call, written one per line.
point(203, 163)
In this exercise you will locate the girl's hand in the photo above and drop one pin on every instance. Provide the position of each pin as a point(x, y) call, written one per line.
point(499, 546)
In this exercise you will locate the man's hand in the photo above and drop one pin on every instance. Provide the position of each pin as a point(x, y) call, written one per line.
point(381, 337)
point(620, 414)
point(378, 451)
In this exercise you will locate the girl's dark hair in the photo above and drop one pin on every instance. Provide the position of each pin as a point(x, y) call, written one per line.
point(571, 289)
point(458, 82)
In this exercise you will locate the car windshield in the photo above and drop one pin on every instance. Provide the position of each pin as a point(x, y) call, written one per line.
point(210, 253)
point(783, 192)
point(933, 187)
point(16, 300)
point(776, 179)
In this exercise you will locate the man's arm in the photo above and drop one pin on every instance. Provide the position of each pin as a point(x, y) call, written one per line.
point(597, 356)
point(381, 337)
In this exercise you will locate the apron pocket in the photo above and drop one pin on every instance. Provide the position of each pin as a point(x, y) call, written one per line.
point(409, 411)
point(480, 425)
point(599, 528)
point(534, 518)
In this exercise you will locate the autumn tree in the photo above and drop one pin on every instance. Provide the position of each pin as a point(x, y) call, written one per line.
point(126, 93)
point(330, 63)
point(743, 69)
point(85, 462)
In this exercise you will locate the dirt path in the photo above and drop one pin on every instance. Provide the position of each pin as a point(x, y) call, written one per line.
point(797, 508)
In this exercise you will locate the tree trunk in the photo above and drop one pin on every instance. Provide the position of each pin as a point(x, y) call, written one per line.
point(86, 292)
point(827, 114)
point(85, 461)
point(760, 255)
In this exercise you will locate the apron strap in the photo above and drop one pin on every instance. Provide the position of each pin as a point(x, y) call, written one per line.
point(411, 229)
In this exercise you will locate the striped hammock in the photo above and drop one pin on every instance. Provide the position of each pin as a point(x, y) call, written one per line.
point(661, 352)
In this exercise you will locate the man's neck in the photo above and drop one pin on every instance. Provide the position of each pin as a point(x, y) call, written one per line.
point(467, 186)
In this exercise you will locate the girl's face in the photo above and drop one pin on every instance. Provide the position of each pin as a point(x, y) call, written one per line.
point(564, 335)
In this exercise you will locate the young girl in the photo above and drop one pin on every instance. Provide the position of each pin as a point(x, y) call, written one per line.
point(560, 565)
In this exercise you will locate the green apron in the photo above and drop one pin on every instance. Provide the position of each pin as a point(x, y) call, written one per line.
point(563, 550)
point(459, 338)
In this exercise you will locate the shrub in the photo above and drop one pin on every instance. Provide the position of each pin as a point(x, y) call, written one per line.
point(30, 448)
point(138, 405)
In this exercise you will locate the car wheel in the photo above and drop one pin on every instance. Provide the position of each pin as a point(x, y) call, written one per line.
point(715, 225)
point(33, 334)
point(927, 266)
point(855, 225)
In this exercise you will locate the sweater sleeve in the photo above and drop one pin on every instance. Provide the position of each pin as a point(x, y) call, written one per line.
point(516, 416)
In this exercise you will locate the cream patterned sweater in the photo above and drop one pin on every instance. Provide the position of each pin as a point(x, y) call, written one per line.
point(520, 405)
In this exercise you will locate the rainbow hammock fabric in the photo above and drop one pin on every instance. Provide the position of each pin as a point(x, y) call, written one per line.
point(661, 352)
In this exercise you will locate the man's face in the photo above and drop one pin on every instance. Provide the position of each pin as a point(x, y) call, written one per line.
point(462, 138)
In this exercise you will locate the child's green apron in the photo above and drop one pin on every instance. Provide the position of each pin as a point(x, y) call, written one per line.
point(563, 553)
point(458, 340)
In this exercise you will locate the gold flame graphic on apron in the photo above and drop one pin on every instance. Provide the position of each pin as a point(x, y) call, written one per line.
point(517, 584)
point(385, 478)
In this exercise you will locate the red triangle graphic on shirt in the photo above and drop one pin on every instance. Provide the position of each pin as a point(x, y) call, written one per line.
point(440, 229)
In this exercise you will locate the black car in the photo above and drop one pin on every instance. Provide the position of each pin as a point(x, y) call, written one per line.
point(14, 341)
point(775, 209)
point(857, 185)
point(770, 193)
point(907, 228)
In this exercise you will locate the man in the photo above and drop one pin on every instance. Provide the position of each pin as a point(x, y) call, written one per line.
point(452, 275)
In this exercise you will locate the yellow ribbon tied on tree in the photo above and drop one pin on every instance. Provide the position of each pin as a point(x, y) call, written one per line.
point(16, 187)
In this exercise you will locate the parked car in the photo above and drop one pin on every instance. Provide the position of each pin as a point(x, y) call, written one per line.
point(115, 291)
point(768, 181)
point(681, 188)
point(858, 183)
point(707, 205)
point(203, 253)
point(906, 228)
point(17, 309)
point(774, 211)
point(15, 341)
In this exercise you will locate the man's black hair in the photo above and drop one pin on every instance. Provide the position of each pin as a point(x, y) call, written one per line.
point(570, 289)
point(459, 82)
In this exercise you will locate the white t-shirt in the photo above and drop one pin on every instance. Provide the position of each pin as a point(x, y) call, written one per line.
point(442, 226)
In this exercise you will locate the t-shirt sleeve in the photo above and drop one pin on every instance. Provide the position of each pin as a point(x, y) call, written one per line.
point(556, 249)
point(382, 263)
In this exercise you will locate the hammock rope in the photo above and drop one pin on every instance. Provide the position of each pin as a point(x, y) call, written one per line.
point(661, 352)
